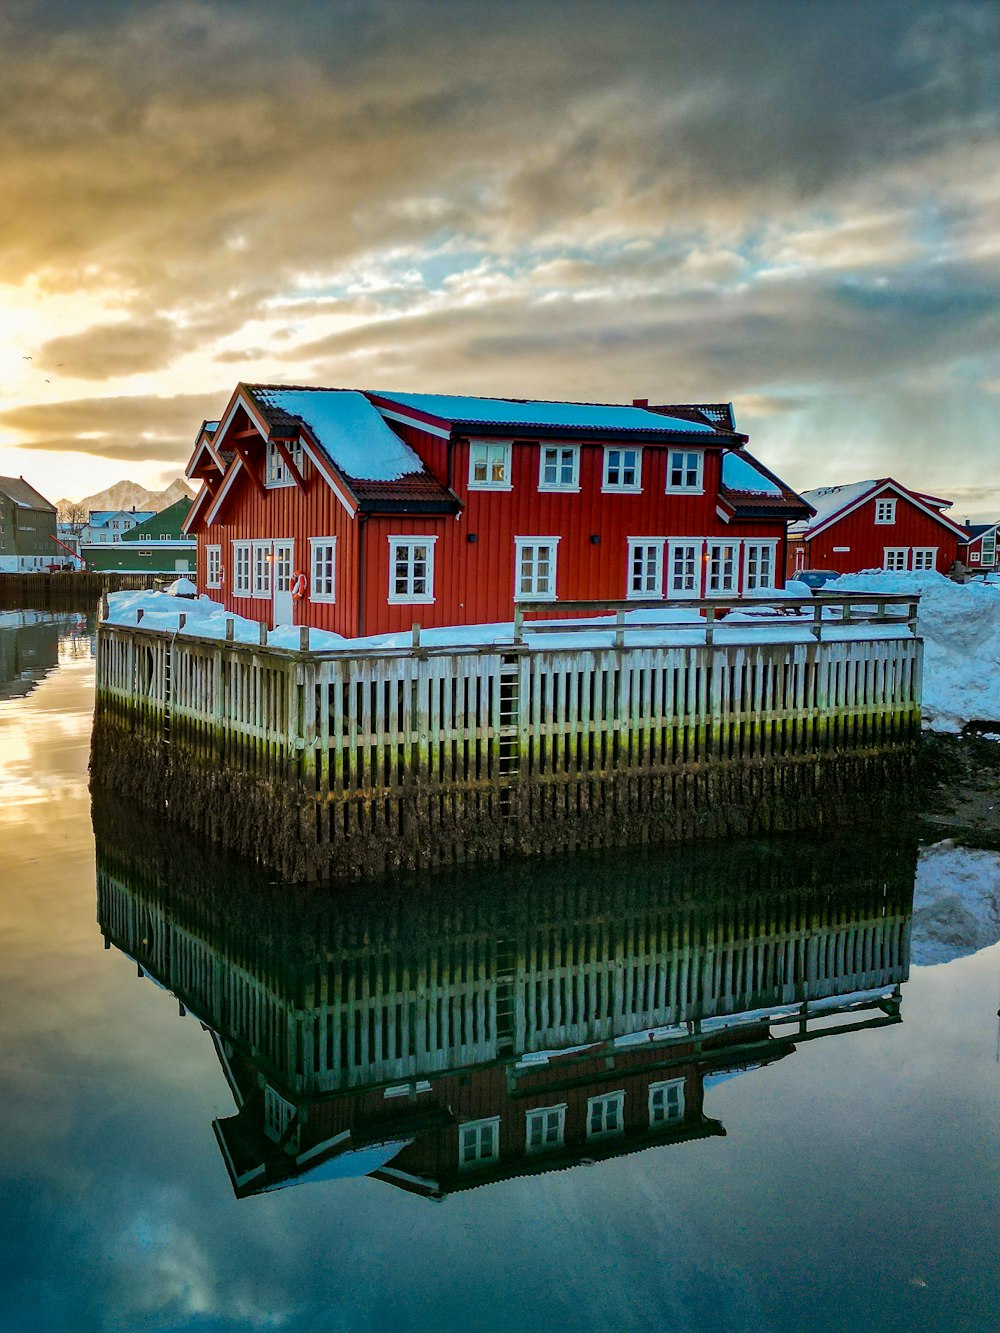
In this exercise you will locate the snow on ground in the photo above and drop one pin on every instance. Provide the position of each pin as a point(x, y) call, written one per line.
point(956, 902)
point(960, 626)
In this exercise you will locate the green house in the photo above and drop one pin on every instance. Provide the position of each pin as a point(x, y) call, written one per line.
point(157, 546)
point(27, 529)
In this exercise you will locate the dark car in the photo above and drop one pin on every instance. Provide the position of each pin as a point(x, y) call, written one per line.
point(815, 578)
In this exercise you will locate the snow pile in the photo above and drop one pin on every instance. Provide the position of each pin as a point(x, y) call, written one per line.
point(956, 903)
point(206, 618)
point(181, 588)
point(960, 626)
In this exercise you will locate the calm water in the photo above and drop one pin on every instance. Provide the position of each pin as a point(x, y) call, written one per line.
point(228, 1105)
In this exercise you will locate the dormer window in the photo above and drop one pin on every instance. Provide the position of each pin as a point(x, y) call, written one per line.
point(277, 469)
point(685, 469)
point(489, 467)
point(885, 511)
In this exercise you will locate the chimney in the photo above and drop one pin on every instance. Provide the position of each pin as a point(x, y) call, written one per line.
point(640, 402)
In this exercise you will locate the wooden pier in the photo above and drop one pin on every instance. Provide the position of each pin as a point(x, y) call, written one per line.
point(66, 590)
point(350, 764)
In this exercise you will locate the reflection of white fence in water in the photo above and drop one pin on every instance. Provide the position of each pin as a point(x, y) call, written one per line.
point(377, 1006)
point(456, 738)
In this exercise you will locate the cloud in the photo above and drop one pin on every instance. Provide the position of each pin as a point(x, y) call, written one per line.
point(135, 428)
point(108, 351)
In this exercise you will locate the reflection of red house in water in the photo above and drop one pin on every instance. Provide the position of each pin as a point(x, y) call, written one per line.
point(444, 510)
point(874, 525)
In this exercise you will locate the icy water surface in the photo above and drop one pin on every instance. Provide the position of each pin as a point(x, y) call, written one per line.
point(231, 1105)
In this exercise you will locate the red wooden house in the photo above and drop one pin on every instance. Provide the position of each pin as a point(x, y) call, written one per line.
point(980, 550)
point(874, 525)
point(443, 510)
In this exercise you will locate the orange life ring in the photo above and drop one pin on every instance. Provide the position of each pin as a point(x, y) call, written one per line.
point(299, 584)
point(222, 576)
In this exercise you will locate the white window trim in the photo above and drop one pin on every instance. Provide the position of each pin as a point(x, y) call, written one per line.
point(744, 561)
point(322, 598)
point(271, 454)
point(974, 558)
point(541, 540)
point(608, 1097)
point(699, 544)
point(886, 522)
point(617, 488)
point(237, 548)
point(213, 553)
point(268, 548)
point(923, 550)
point(699, 486)
point(736, 544)
point(657, 595)
point(898, 550)
point(658, 1087)
point(565, 487)
point(492, 1123)
point(402, 599)
point(508, 448)
point(530, 1147)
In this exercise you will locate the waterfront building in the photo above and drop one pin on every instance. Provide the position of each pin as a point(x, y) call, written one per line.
point(157, 545)
point(27, 528)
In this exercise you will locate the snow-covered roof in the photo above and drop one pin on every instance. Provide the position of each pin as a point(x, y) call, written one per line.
point(514, 412)
point(348, 429)
point(740, 473)
point(832, 501)
point(99, 518)
point(23, 494)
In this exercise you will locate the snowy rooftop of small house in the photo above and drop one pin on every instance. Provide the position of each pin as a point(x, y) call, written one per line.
point(740, 474)
point(829, 500)
point(516, 412)
point(349, 430)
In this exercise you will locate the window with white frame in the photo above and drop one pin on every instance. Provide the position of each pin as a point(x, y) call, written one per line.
point(666, 1102)
point(479, 1142)
point(885, 511)
point(722, 562)
point(278, 1114)
point(535, 568)
point(989, 547)
point(974, 558)
point(924, 557)
point(411, 569)
point(323, 569)
point(213, 566)
point(489, 466)
point(622, 469)
point(684, 569)
point(645, 566)
point(559, 468)
point(262, 558)
point(894, 557)
point(276, 471)
point(241, 569)
point(758, 565)
point(544, 1128)
point(605, 1115)
point(685, 469)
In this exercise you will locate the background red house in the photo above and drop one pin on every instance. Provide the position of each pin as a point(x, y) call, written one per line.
point(403, 508)
point(874, 525)
point(980, 550)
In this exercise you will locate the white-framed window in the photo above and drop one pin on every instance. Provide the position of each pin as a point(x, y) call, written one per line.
point(645, 567)
point(276, 471)
point(894, 557)
point(535, 568)
point(666, 1102)
point(213, 566)
point(544, 1127)
point(322, 569)
point(241, 569)
point(885, 511)
point(411, 569)
point(559, 467)
point(479, 1142)
point(684, 569)
point(278, 1114)
point(685, 469)
point(989, 547)
point(605, 1115)
point(262, 558)
point(758, 565)
point(622, 468)
point(489, 466)
point(974, 558)
point(924, 557)
point(722, 565)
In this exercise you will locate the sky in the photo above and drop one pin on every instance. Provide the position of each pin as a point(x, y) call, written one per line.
point(793, 205)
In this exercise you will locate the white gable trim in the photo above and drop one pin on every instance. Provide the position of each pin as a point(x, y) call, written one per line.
point(231, 475)
point(192, 513)
point(326, 468)
point(877, 490)
point(396, 415)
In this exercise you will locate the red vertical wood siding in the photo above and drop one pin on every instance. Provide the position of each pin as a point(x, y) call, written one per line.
point(867, 539)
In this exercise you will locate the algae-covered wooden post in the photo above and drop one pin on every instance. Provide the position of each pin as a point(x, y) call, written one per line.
point(709, 625)
point(230, 630)
point(518, 624)
point(817, 621)
point(619, 629)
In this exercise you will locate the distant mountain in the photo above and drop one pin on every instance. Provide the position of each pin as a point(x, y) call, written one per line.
point(129, 495)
